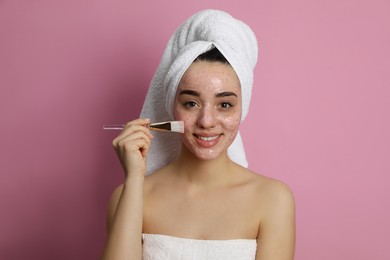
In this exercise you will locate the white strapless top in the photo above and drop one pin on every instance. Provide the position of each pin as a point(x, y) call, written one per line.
point(162, 247)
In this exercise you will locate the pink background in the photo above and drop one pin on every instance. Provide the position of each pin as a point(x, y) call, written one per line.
point(319, 119)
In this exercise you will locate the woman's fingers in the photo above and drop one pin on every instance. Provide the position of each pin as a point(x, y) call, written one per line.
point(132, 127)
point(134, 142)
point(132, 146)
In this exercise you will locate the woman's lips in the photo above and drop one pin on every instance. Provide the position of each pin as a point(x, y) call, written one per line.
point(207, 141)
point(208, 138)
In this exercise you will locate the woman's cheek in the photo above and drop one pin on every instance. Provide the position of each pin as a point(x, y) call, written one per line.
point(185, 117)
point(232, 122)
point(187, 122)
point(178, 114)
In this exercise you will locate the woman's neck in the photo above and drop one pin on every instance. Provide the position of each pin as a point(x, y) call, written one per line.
point(200, 172)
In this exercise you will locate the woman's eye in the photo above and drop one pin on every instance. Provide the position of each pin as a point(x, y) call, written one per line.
point(226, 105)
point(190, 104)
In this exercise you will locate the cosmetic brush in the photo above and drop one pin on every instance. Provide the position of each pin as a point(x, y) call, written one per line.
point(168, 126)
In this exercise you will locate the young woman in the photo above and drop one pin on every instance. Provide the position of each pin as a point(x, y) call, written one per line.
point(202, 204)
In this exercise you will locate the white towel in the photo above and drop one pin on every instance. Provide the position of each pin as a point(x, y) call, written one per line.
point(201, 32)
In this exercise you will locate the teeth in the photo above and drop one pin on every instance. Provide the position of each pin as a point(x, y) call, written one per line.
point(208, 139)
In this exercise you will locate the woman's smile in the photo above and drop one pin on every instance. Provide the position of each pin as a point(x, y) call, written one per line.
point(207, 141)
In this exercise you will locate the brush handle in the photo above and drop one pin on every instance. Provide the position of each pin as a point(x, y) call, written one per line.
point(120, 127)
point(160, 126)
point(113, 127)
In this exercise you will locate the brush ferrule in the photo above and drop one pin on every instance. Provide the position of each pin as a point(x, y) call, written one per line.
point(162, 126)
point(170, 126)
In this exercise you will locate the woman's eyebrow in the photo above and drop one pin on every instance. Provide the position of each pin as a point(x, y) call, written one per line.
point(189, 92)
point(225, 94)
point(197, 94)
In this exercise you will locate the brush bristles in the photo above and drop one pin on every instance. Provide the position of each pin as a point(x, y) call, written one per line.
point(172, 126)
point(177, 126)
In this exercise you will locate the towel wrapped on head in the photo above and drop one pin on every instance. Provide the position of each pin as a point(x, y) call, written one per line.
point(201, 32)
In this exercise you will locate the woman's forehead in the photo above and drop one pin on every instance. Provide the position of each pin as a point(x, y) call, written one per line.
point(210, 76)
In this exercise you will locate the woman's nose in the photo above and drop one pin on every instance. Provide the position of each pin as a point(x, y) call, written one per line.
point(207, 117)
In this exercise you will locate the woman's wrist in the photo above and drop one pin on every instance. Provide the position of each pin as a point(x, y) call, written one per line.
point(134, 179)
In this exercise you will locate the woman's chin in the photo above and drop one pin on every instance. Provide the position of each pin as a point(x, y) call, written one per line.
point(207, 155)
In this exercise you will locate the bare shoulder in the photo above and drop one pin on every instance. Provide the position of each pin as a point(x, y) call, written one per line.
point(275, 206)
point(269, 191)
point(157, 179)
point(275, 189)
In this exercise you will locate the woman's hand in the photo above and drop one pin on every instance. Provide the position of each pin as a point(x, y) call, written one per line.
point(125, 212)
point(132, 146)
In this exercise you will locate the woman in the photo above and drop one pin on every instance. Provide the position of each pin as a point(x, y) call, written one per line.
point(200, 202)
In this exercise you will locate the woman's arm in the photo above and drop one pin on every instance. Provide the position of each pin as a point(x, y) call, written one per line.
point(276, 237)
point(124, 220)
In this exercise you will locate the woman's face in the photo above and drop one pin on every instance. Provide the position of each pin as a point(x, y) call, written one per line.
point(208, 100)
